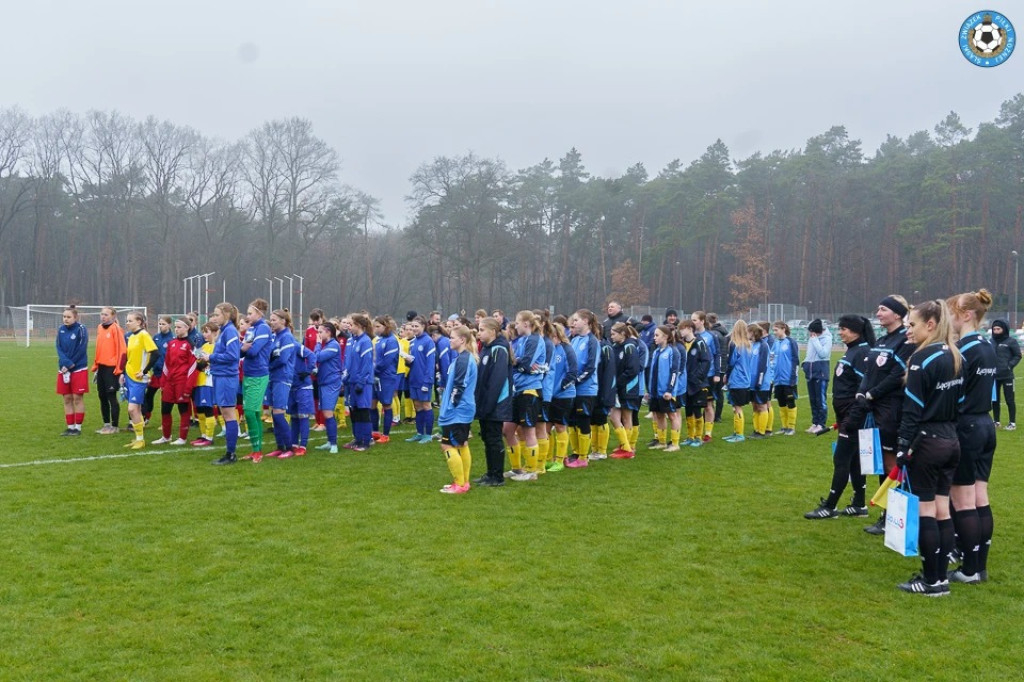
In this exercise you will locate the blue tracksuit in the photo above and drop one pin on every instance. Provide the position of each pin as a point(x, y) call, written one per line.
point(161, 340)
point(548, 381)
point(226, 352)
point(529, 352)
point(328, 363)
point(563, 372)
point(588, 354)
point(786, 362)
point(421, 371)
point(458, 403)
point(73, 347)
point(358, 375)
point(256, 360)
point(663, 373)
point(282, 357)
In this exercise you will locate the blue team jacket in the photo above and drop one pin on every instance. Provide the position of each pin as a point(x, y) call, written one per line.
point(226, 352)
point(73, 347)
point(458, 403)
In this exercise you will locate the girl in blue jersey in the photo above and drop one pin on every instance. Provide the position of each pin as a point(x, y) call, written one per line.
point(302, 395)
point(255, 350)
point(628, 369)
point(421, 360)
point(162, 338)
point(443, 357)
point(662, 378)
point(544, 450)
point(739, 377)
point(72, 370)
point(563, 371)
point(787, 359)
point(328, 374)
point(359, 382)
point(385, 374)
point(458, 408)
point(283, 348)
point(528, 352)
point(605, 402)
point(760, 370)
point(700, 326)
point(585, 344)
point(223, 367)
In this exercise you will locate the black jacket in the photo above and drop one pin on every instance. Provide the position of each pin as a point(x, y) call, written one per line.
point(1007, 351)
point(722, 361)
point(494, 382)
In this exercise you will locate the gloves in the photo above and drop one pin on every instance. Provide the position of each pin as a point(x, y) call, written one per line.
point(276, 353)
point(904, 455)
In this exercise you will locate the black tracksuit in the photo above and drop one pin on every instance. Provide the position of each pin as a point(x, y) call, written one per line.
point(494, 402)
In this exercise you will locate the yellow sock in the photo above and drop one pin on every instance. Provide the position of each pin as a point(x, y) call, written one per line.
point(709, 426)
point(220, 420)
point(584, 451)
point(674, 436)
point(515, 457)
point(242, 426)
point(573, 435)
point(634, 436)
point(792, 417)
point(210, 422)
point(455, 466)
point(698, 427)
point(467, 461)
point(561, 445)
point(769, 421)
point(601, 439)
point(737, 424)
point(623, 437)
point(520, 449)
point(139, 429)
point(543, 452)
point(660, 435)
point(765, 416)
point(410, 409)
point(691, 426)
point(530, 455)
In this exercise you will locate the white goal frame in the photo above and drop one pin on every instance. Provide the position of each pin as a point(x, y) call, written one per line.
point(24, 312)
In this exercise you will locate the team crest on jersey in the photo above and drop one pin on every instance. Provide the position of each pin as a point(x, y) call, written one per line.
point(483, 361)
point(839, 370)
point(73, 337)
point(621, 354)
point(881, 360)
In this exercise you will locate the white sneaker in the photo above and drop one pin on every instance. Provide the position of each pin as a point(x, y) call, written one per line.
point(512, 473)
point(525, 476)
point(598, 455)
point(180, 441)
point(1011, 427)
point(161, 441)
point(244, 435)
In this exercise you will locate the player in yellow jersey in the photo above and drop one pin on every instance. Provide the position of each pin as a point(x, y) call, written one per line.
point(141, 358)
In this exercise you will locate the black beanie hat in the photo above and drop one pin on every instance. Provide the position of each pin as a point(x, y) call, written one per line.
point(816, 326)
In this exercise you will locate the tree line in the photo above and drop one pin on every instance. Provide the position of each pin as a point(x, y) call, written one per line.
point(102, 208)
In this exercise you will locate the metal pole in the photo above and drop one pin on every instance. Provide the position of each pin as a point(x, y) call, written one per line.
point(280, 292)
point(206, 290)
point(270, 300)
point(184, 297)
point(1016, 287)
point(301, 279)
point(224, 285)
point(28, 326)
point(291, 294)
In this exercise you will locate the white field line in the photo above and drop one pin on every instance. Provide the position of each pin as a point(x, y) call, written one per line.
point(143, 453)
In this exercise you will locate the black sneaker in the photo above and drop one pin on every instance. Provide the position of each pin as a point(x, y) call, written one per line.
point(958, 576)
point(756, 436)
point(917, 585)
point(228, 458)
point(876, 528)
point(652, 442)
point(983, 575)
point(823, 511)
point(68, 432)
point(853, 510)
point(488, 482)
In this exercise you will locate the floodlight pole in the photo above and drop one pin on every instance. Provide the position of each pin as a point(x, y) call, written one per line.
point(291, 294)
point(270, 282)
point(301, 279)
point(1016, 285)
point(206, 292)
point(280, 292)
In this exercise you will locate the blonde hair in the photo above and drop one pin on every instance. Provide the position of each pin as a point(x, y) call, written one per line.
point(469, 336)
point(938, 312)
point(977, 302)
point(739, 336)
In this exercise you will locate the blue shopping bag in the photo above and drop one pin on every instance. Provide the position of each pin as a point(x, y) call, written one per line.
point(870, 448)
point(902, 519)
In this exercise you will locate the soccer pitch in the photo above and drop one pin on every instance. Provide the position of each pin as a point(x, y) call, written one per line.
point(672, 566)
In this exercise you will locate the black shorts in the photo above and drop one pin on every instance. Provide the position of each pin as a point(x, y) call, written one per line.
point(977, 436)
point(662, 406)
point(599, 417)
point(106, 381)
point(887, 418)
point(738, 397)
point(545, 412)
point(761, 397)
point(631, 402)
point(786, 395)
point(560, 411)
point(698, 399)
point(525, 409)
point(582, 408)
point(455, 435)
point(931, 470)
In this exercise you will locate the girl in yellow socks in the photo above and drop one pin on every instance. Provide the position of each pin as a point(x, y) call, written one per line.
point(739, 378)
point(786, 375)
point(563, 381)
point(458, 408)
point(588, 351)
point(141, 359)
point(628, 368)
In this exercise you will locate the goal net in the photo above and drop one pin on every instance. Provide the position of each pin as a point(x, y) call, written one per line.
point(39, 323)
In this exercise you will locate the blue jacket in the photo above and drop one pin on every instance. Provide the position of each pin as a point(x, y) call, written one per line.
point(742, 367)
point(606, 369)
point(786, 352)
point(328, 364)
point(303, 363)
point(563, 372)
point(663, 373)
point(73, 347)
point(282, 357)
point(358, 375)
point(421, 371)
point(195, 337)
point(548, 379)
point(386, 359)
point(529, 351)
point(458, 403)
point(760, 367)
point(628, 369)
point(226, 352)
point(819, 353)
point(494, 386)
point(647, 336)
point(443, 358)
point(161, 340)
point(698, 365)
point(256, 360)
point(645, 358)
point(711, 341)
point(588, 353)
point(684, 376)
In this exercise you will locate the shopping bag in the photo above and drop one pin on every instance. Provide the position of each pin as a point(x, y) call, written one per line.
point(902, 520)
point(881, 497)
point(870, 448)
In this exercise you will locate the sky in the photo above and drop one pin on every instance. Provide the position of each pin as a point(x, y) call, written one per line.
point(392, 84)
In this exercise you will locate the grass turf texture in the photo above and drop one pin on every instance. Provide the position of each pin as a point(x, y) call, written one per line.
point(689, 565)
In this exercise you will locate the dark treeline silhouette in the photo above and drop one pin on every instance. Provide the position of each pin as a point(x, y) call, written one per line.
point(99, 207)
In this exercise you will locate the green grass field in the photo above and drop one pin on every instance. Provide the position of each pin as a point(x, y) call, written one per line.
point(693, 565)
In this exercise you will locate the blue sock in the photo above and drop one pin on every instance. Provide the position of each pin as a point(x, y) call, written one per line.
point(332, 430)
point(231, 435)
point(419, 423)
point(385, 426)
point(281, 427)
point(303, 431)
point(367, 435)
point(428, 422)
point(374, 420)
point(294, 427)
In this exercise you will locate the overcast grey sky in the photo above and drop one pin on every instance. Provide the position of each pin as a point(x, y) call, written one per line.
point(393, 83)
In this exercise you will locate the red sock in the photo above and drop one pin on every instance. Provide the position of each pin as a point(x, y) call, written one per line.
point(165, 425)
point(79, 418)
point(186, 418)
point(69, 419)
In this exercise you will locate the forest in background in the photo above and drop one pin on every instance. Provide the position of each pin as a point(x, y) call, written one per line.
point(98, 208)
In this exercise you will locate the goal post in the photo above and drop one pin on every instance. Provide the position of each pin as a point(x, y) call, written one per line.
point(41, 321)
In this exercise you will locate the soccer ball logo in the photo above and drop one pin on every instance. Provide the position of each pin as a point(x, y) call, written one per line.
point(988, 40)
